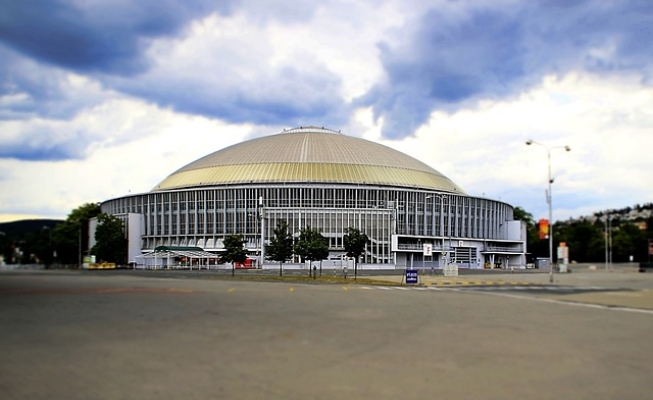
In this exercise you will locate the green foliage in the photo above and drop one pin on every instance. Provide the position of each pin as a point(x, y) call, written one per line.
point(628, 241)
point(66, 237)
point(281, 245)
point(27, 241)
point(39, 240)
point(536, 247)
point(522, 215)
point(311, 245)
point(111, 244)
point(354, 243)
point(586, 241)
point(235, 251)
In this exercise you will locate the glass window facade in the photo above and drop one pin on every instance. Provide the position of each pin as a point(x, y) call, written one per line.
point(206, 215)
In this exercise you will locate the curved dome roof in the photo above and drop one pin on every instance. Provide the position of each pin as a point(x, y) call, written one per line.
point(308, 154)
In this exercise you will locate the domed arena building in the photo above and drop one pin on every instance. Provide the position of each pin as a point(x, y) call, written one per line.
point(412, 214)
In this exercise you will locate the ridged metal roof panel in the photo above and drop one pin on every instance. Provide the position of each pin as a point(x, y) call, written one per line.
point(308, 155)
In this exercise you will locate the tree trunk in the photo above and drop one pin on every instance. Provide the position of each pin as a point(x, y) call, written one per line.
point(355, 268)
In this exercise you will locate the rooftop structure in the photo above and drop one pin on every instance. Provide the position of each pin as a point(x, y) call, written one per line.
point(317, 177)
point(308, 154)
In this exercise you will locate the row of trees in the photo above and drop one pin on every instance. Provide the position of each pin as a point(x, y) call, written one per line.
point(49, 241)
point(64, 242)
point(587, 239)
point(310, 245)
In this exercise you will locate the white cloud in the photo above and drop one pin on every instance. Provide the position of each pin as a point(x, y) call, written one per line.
point(266, 71)
point(606, 122)
point(115, 166)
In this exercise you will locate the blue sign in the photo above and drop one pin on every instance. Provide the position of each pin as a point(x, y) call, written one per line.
point(411, 276)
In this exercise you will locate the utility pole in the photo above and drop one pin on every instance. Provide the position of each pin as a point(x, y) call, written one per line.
point(549, 199)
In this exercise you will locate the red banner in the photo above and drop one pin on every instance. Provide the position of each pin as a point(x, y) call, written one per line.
point(544, 228)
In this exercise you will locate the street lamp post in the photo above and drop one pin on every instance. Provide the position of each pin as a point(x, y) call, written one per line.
point(79, 245)
point(549, 199)
point(609, 243)
point(607, 240)
point(257, 219)
point(261, 216)
point(442, 197)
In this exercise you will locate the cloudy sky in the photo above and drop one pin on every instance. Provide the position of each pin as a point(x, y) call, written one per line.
point(99, 99)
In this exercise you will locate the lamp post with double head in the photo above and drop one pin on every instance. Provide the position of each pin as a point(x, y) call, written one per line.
point(549, 198)
point(442, 197)
point(261, 219)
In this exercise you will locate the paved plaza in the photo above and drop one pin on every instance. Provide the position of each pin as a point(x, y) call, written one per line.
point(97, 335)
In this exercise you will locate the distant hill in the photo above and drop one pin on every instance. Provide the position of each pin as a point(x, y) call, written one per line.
point(18, 228)
point(639, 212)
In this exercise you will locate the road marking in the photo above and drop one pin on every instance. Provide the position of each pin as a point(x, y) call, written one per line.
point(113, 290)
point(344, 288)
point(627, 294)
point(66, 291)
point(180, 290)
point(291, 289)
point(231, 290)
point(555, 301)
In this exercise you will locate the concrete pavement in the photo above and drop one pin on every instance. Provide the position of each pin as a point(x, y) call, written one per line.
point(75, 335)
point(625, 287)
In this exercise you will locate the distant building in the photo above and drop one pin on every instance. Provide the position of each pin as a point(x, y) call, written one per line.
point(326, 180)
point(642, 225)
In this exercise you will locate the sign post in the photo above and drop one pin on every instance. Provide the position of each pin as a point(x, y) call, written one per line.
point(428, 252)
point(411, 277)
point(563, 256)
point(428, 249)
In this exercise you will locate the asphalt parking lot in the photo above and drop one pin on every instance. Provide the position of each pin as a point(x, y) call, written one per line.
point(82, 335)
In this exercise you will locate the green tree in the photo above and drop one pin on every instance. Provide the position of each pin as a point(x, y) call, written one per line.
point(235, 251)
point(281, 245)
point(534, 245)
point(585, 240)
point(70, 238)
point(311, 246)
point(626, 241)
point(523, 215)
point(27, 241)
point(596, 246)
point(111, 244)
point(355, 242)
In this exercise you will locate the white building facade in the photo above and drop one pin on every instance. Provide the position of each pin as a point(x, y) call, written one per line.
point(318, 178)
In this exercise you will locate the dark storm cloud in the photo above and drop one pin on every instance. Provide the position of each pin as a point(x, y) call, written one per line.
point(44, 143)
point(283, 96)
point(447, 60)
point(32, 90)
point(45, 40)
point(106, 36)
point(486, 53)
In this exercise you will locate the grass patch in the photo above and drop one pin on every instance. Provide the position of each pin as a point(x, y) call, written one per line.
point(305, 279)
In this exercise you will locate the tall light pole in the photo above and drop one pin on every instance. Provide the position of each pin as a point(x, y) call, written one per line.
point(609, 244)
point(257, 221)
point(79, 245)
point(261, 216)
point(549, 199)
point(442, 197)
point(607, 240)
